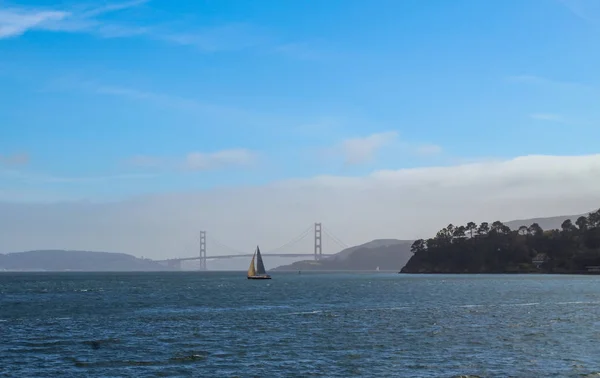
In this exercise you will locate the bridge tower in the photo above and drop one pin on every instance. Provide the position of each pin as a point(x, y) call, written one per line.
point(318, 245)
point(202, 250)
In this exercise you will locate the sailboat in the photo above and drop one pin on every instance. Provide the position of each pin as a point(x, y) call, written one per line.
point(258, 273)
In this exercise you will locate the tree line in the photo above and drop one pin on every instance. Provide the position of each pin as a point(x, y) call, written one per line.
point(495, 248)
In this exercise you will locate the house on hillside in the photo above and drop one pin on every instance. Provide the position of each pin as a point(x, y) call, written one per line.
point(593, 269)
point(539, 259)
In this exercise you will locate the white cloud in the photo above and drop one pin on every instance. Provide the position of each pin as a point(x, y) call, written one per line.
point(428, 149)
point(136, 94)
point(34, 177)
point(144, 161)
point(587, 10)
point(226, 37)
point(547, 117)
point(406, 203)
point(81, 19)
point(14, 22)
point(271, 122)
point(199, 161)
point(17, 21)
point(550, 83)
point(221, 159)
point(14, 160)
point(112, 8)
point(530, 79)
point(363, 149)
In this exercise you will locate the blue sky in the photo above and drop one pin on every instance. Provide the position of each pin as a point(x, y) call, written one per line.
point(105, 100)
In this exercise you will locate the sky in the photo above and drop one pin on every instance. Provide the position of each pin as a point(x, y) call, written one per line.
point(130, 126)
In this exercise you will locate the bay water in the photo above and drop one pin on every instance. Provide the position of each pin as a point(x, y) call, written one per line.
point(219, 324)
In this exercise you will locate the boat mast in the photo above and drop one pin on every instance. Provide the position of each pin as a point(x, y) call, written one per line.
point(260, 266)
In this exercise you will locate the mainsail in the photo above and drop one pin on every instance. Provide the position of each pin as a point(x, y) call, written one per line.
point(260, 267)
point(251, 271)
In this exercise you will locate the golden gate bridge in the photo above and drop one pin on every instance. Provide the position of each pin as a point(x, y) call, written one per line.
point(318, 232)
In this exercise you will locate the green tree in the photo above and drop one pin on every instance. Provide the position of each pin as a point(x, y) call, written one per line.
point(594, 219)
point(567, 226)
point(497, 249)
point(471, 228)
point(499, 228)
point(459, 232)
point(535, 229)
point(418, 246)
point(582, 223)
point(443, 236)
point(431, 243)
point(483, 229)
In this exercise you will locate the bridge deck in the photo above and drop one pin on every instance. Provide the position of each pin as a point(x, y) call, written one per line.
point(247, 255)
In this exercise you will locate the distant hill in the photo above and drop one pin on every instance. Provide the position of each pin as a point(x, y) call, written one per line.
point(393, 254)
point(549, 223)
point(60, 260)
point(387, 254)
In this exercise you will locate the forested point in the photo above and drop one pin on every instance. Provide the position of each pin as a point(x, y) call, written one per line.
point(495, 248)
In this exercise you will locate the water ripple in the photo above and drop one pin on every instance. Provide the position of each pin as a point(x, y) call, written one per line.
point(339, 325)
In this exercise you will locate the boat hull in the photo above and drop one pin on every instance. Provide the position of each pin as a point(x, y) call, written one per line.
point(266, 277)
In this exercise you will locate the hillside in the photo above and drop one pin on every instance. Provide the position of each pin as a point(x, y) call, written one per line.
point(387, 254)
point(393, 254)
point(549, 223)
point(60, 260)
point(572, 247)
